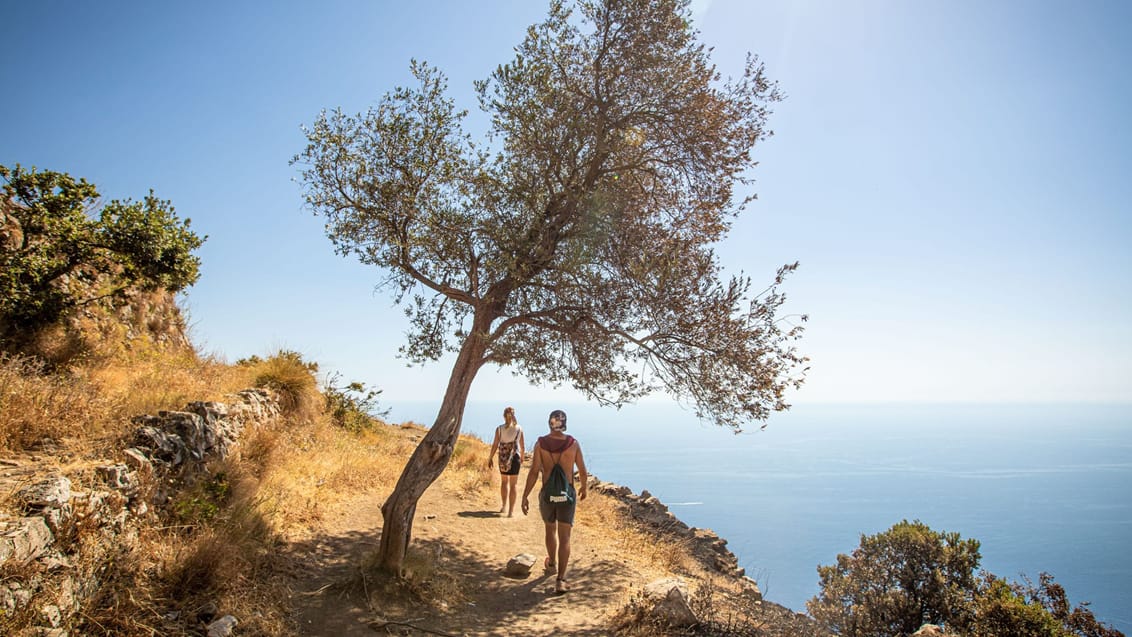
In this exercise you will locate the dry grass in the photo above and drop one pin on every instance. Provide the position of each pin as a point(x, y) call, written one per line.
point(93, 403)
point(294, 382)
point(467, 472)
point(212, 560)
point(314, 468)
point(666, 554)
point(35, 406)
point(216, 547)
point(149, 381)
point(317, 468)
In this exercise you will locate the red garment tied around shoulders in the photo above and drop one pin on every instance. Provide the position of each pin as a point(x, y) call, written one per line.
point(556, 446)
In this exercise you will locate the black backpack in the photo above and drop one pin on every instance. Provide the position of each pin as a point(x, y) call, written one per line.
point(558, 488)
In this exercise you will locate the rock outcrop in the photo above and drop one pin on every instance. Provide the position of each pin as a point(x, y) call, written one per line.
point(57, 547)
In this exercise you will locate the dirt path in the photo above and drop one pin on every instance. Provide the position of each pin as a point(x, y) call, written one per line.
point(471, 544)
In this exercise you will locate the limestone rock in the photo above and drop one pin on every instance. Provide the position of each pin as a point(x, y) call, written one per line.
point(751, 589)
point(165, 446)
point(120, 478)
point(670, 602)
point(660, 587)
point(520, 565)
point(51, 492)
point(137, 459)
point(222, 627)
point(52, 615)
point(24, 539)
point(930, 630)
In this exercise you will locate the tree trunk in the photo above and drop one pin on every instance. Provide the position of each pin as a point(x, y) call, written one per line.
point(429, 458)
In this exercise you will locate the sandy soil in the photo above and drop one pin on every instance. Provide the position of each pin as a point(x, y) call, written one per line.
point(462, 545)
point(472, 544)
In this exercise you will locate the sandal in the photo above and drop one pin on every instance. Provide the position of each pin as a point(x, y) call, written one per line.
point(547, 565)
point(560, 586)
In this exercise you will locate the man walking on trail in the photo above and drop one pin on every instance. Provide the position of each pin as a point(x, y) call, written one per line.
point(554, 457)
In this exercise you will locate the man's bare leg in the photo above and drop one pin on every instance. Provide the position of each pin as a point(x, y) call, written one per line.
point(563, 552)
point(551, 544)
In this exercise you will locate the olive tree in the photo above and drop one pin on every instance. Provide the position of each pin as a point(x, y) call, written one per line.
point(573, 244)
point(59, 249)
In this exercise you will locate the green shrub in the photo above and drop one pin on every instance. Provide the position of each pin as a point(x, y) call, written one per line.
point(353, 407)
point(898, 580)
point(55, 256)
point(204, 501)
point(1003, 610)
point(1076, 621)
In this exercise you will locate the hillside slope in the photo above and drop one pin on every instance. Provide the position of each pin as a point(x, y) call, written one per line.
point(278, 533)
point(457, 583)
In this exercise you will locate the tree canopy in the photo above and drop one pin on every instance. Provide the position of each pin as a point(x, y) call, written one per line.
point(574, 244)
point(55, 255)
point(585, 237)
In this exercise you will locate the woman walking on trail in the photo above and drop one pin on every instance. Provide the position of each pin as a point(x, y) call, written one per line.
point(509, 444)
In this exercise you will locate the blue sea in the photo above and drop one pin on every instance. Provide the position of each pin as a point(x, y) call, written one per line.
point(1042, 487)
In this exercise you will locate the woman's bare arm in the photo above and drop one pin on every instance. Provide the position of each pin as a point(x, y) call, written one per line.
point(494, 447)
point(582, 475)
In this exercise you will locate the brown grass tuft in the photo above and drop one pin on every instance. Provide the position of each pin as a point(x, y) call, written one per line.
point(35, 405)
point(93, 403)
point(294, 380)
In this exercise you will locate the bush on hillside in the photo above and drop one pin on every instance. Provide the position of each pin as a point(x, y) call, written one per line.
point(1003, 610)
point(55, 256)
point(1025, 610)
point(354, 407)
point(898, 580)
point(909, 575)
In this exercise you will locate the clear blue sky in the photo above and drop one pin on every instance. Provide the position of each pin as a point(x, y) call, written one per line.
point(955, 176)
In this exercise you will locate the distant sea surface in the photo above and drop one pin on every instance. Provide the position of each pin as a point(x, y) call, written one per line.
point(1042, 487)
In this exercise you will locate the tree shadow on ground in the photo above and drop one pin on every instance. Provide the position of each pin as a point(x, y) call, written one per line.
point(326, 569)
point(478, 514)
point(494, 603)
point(449, 589)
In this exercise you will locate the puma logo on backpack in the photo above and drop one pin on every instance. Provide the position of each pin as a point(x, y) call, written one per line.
point(558, 489)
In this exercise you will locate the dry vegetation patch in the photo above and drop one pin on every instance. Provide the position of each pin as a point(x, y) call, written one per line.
point(659, 553)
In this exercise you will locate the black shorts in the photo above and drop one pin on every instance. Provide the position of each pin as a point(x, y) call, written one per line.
point(516, 462)
point(552, 512)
